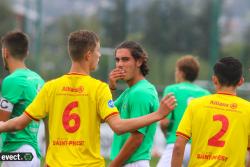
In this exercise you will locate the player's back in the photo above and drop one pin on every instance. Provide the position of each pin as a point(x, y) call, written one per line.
point(220, 128)
point(76, 105)
point(184, 92)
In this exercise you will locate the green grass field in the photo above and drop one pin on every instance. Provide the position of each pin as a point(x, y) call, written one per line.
point(153, 162)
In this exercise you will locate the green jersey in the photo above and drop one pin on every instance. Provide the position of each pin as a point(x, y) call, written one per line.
point(18, 91)
point(138, 100)
point(183, 92)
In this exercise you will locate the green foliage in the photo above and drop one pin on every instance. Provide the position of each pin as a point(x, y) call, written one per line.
point(7, 17)
point(172, 27)
point(114, 21)
point(54, 59)
point(7, 24)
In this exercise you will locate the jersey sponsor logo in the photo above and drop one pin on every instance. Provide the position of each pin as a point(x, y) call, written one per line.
point(6, 105)
point(111, 104)
point(65, 142)
point(209, 156)
point(218, 103)
point(233, 105)
point(79, 89)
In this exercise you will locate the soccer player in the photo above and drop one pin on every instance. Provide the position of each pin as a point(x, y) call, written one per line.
point(187, 70)
point(76, 104)
point(140, 98)
point(218, 124)
point(19, 89)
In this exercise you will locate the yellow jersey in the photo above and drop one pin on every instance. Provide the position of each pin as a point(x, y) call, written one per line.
point(219, 126)
point(75, 105)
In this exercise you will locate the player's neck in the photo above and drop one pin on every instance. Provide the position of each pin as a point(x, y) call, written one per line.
point(15, 64)
point(226, 90)
point(134, 80)
point(79, 68)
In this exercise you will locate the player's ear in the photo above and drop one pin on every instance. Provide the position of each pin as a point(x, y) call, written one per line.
point(5, 52)
point(215, 80)
point(87, 55)
point(139, 62)
point(241, 81)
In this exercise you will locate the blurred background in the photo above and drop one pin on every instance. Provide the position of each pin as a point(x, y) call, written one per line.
point(168, 29)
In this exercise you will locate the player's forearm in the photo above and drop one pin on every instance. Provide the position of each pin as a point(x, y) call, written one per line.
point(127, 150)
point(121, 126)
point(178, 152)
point(15, 124)
point(176, 159)
point(248, 158)
point(10, 126)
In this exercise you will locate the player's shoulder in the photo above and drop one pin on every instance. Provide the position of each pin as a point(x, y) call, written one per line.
point(143, 87)
point(242, 101)
point(11, 80)
point(172, 87)
point(143, 92)
point(201, 89)
point(179, 86)
point(201, 100)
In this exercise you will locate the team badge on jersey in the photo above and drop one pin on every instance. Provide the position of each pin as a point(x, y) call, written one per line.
point(111, 104)
point(5, 105)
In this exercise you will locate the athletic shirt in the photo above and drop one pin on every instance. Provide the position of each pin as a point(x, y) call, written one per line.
point(184, 92)
point(18, 91)
point(138, 100)
point(75, 105)
point(219, 126)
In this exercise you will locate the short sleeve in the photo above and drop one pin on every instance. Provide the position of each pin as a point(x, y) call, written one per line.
point(38, 109)
point(105, 102)
point(11, 90)
point(118, 102)
point(141, 105)
point(184, 128)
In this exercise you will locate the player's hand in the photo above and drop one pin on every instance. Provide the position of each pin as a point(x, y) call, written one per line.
point(115, 75)
point(167, 104)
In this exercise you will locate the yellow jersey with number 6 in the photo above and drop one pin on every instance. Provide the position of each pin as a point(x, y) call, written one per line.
point(75, 105)
point(219, 126)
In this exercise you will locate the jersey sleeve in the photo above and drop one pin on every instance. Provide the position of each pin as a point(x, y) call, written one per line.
point(142, 104)
point(185, 126)
point(105, 102)
point(118, 101)
point(11, 93)
point(38, 109)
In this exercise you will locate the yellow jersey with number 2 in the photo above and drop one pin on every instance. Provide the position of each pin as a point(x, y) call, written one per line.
point(219, 126)
point(75, 105)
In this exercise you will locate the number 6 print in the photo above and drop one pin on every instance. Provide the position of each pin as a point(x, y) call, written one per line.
point(215, 140)
point(67, 117)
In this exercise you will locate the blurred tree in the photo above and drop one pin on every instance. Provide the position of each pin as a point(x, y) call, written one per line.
point(246, 53)
point(54, 60)
point(115, 23)
point(7, 18)
point(171, 27)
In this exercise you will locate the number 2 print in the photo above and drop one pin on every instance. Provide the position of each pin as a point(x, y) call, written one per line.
point(215, 140)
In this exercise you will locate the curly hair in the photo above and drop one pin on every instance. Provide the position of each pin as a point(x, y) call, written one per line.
point(137, 52)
